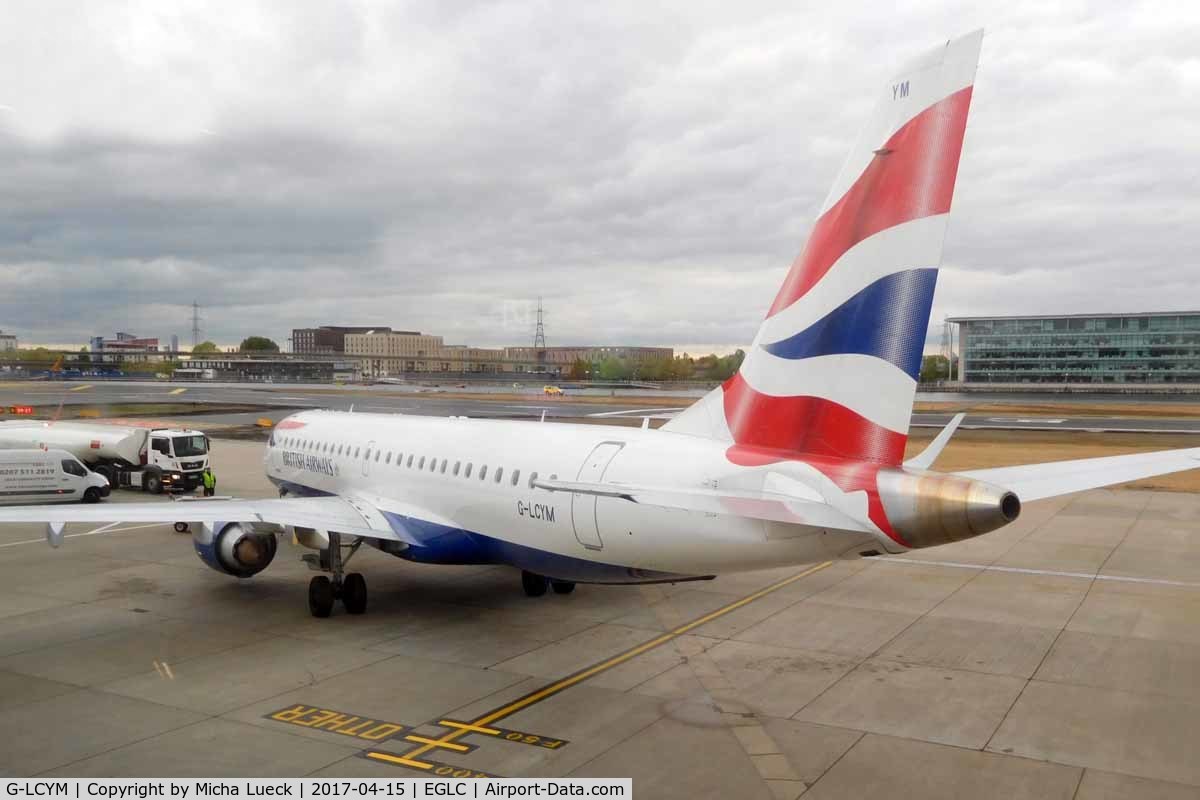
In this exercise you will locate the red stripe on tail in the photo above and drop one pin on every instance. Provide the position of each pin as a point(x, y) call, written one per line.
point(911, 177)
point(809, 425)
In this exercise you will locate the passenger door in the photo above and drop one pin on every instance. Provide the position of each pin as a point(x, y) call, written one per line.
point(583, 507)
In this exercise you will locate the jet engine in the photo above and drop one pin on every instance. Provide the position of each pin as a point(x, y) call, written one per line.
point(235, 548)
point(930, 508)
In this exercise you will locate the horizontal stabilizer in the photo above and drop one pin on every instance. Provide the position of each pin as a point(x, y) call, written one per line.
point(1036, 481)
point(934, 449)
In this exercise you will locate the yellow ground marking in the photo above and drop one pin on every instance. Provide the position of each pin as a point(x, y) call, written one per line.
point(80, 388)
point(462, 748)
point(408, 762)
point(449, 723)
point(583, 675)
point(180, 390)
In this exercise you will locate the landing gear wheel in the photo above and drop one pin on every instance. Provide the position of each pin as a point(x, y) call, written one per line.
point(91, 495)
point(181, 527)
point(562, 587)
point(354, 593)
point(320, 596)
point(533, 584)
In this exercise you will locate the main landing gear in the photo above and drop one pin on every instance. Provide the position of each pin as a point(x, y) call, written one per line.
point(535, 585)
point(324, 590)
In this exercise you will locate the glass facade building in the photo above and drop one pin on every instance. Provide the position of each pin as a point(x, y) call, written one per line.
point(1153, 348)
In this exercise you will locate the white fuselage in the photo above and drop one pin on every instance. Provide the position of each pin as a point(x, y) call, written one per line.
point(478, 474)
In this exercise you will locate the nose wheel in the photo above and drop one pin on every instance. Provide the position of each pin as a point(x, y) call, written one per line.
point(325, 590)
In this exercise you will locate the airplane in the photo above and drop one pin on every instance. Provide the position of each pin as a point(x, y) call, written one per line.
point(798, 458)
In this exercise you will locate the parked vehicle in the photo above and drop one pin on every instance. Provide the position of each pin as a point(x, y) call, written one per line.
point(47, 476)
point(131, 457)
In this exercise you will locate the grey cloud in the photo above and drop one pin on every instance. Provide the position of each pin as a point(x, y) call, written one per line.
point(651, 172)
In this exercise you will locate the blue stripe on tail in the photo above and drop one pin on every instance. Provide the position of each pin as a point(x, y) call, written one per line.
point(887, 319)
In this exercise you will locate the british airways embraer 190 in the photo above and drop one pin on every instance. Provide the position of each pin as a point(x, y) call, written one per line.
point(798, 458)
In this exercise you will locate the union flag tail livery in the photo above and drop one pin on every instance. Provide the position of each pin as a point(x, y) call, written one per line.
point(833, 369)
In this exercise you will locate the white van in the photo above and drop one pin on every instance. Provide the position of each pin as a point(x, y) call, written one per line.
point(47, 476)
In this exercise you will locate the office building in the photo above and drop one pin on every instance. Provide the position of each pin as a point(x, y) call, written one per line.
point(1161, 347)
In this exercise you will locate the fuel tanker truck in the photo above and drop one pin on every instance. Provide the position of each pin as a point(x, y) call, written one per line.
point(131, 457)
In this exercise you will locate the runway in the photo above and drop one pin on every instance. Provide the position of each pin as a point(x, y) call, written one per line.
point(1053, 658)
point(276, 401)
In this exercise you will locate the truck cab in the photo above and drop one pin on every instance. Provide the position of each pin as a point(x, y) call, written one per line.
point(178, 456)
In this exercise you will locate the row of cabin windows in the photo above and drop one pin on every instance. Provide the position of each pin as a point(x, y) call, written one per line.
point(434, 466)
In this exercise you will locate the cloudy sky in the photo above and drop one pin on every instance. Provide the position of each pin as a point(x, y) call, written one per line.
point(650, 169)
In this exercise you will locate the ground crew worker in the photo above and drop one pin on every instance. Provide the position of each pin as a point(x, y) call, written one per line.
point(210, 482)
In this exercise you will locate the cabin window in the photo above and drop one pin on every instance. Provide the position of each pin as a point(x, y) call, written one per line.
point(443, 469)
point(467, 474)
point(457, 464)
point(532, 478)
point(421, 463)
point(433, 465)
point(410, 458)
point(367, 455)
point(516, 478)
point(483, 472)
point(356, 451)
point(499, 473)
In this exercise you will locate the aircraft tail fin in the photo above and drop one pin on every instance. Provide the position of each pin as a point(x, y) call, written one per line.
point(833, 369)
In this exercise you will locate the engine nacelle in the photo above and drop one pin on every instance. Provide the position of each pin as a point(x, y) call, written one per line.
point(930, 508)
point(234, 549)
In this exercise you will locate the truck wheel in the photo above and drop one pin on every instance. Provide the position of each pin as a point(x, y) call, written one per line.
point(181, 527)
point(152, 483)
point(109, 475)
point(91, 495)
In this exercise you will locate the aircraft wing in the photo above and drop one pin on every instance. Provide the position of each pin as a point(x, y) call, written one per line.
point(342, 514)
point(1036, 481)
point(764, 505)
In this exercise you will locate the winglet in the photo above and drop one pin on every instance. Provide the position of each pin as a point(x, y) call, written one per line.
point(54, 533)
point(929, 454)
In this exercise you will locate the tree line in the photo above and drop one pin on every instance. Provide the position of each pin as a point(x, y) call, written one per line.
point(680, 368)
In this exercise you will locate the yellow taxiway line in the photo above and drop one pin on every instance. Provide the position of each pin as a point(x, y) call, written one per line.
point(479, 725)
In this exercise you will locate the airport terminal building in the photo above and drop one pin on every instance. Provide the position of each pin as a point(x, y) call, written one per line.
point(1154, 348)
